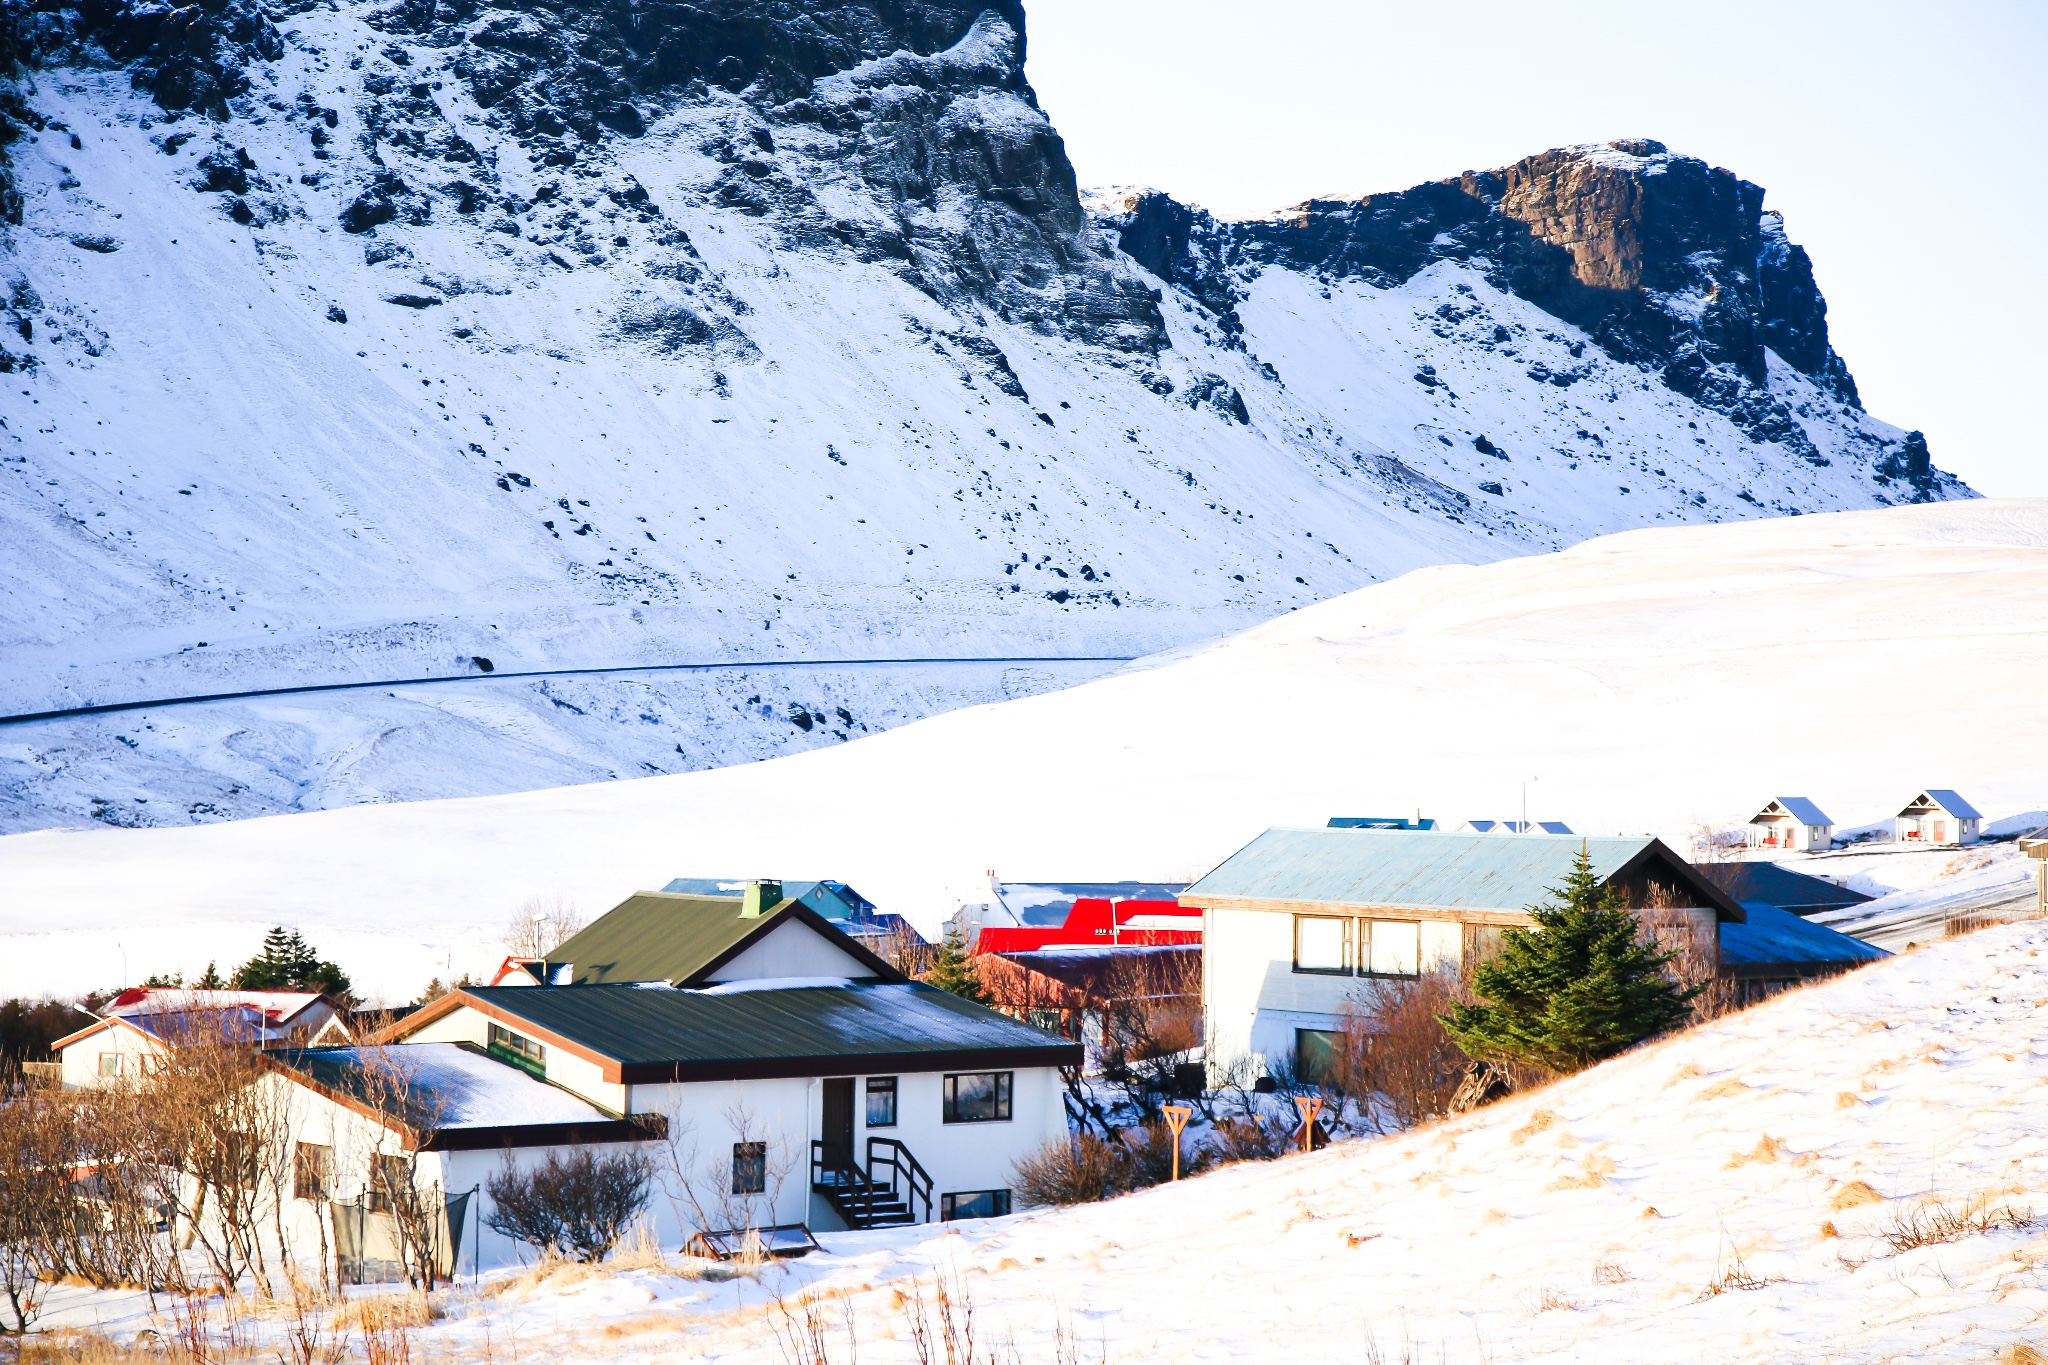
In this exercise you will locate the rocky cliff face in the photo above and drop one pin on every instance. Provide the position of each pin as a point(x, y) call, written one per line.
point(1662, 260)
point(367, 340)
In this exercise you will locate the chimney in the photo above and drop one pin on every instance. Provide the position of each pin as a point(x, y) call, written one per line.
point(759, 898)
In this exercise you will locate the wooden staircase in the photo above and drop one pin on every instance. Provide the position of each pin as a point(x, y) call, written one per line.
point(891, 1190)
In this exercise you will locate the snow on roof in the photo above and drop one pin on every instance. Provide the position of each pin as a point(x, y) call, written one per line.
point(276, 1007)
point(1772, 936)
point(465, 1088)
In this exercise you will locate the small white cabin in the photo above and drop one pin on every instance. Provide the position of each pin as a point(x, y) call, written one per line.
point(1791, 823)
point(1937, 816)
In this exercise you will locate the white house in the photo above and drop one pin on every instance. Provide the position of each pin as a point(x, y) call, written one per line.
point(1791, 823)
point(1299, 923)
point(138, 1024)
point(1937, 816)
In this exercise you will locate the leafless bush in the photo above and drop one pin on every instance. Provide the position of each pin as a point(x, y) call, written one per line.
point(542, 924)
point(1671, 922)
point(904, 949)
point(1079, 1169)
point(1397, 1061)
point(802, 1330)
point(1937, 1224)
point(698, 1181)
point(33, 1205)
point(1250, 1137)
point(577, 1206)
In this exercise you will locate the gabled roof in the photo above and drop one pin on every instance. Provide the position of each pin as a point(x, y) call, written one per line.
point(738, 1033)
point(682, 939)
point(1771, 884)
point(277, 1008)
point(1045, 904)
point(833, 900)
point(1396, 869)
point(1948, 800)
point(1798, 807)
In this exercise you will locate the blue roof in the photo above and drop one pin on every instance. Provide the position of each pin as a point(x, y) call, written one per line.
point(1772, 935)
point(833, 900)
point(1426, 870)
point(1953, 803)
point(1802, 810)
point(1379, 822)
point(1771, 884)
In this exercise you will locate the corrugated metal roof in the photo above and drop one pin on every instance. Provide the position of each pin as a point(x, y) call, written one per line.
point(847, 1023)
point(1953, 803)
point(1802, 810)
point(448, 1085)
point(1779, 886)
point(1372, 867)
point(1773, 936)
point(659, 936)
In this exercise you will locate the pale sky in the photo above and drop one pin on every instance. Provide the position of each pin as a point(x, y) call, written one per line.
point(1906, 145)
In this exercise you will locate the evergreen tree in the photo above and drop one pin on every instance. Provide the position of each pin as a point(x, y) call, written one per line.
point(289, 963)
point(1577, 989)
point(211, 979)
point(953, 969)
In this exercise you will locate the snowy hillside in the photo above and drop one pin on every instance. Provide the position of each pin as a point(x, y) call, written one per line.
point(375, 343)
point(1853, 1173)
point(1648, 681)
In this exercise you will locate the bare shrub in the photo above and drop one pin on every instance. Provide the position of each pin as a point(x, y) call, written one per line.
point(542, 924)
point(577, 1206)
point(802, 1331)
point(1250, 1137)
point(1397, 1060)
point(1938, 1224)
point(1079, 1169)
point(33, 1205)
point(699, 1182)
point(414, 1112)
point(903, 948)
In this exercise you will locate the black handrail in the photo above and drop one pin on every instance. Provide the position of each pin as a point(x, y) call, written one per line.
point(916, 1180)
point(845, 1171)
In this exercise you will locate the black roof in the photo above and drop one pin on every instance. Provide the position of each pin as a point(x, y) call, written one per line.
point(737, 1034)
point(1778, 886)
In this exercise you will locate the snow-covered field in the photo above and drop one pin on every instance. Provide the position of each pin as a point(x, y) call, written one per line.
point(1647, 681)
point(1737, 1194)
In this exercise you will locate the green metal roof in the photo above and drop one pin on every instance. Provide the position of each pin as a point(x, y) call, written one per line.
point(1428, 870)
point(739, 1032)
point(663, 936)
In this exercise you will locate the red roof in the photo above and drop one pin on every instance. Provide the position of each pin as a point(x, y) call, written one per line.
point(1096, 922)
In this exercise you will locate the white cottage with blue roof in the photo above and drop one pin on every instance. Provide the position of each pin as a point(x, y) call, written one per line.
point(1791, 823)
point(1299, 922)
point(1937, 816)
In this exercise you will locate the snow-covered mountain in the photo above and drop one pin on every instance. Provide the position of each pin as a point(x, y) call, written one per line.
point(364, 341)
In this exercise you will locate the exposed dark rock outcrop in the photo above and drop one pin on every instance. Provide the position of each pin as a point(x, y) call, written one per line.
point(1665, 261)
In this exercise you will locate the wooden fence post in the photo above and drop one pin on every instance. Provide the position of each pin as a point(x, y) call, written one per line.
point(1177, 1116)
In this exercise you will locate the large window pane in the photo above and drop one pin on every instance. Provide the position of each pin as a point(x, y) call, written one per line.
point(1396, 947)
point(749, 1168)
point(977, 1097)
point(1319, 944)
point(881, 1101)
point(1316, 1052)
point(974, 1204)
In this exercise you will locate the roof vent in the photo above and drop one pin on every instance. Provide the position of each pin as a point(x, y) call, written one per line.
point(759, 898)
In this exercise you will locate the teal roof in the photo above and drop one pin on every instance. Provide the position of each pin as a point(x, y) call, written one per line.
point(1418, 870)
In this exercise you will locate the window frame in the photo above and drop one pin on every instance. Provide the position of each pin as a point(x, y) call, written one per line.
point(949, 1204)
point(383, 1186)
point(304, 1164)
point(115, 1074)
point(1331, 1039)
point(1005, 1083)
point(1368, 968)
point(1345, 954)
point(524, 1051)
point(750, 1167)
point(875, 1088)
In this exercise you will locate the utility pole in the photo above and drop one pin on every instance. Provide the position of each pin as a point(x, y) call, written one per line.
point(1525, 801)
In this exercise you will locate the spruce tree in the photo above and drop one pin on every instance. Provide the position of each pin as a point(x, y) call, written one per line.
point(288, 963)
point(953, 969)
point(1577, 989)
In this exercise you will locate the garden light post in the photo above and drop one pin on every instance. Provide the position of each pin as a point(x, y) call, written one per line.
point(1308, 1106)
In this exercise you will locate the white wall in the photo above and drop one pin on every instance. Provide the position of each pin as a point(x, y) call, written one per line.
point(792, 949)
point(81, 1060)
point(578, 1074)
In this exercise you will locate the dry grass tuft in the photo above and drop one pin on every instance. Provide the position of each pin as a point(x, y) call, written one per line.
point(1552, 1300)
point(383, 1312)
point(1853, 1195)
point(1540, 1121)
point(1828, 1230)
point(1721, 1089)
point(1650, 1211)
point(82, 1348)
point(1610, 1272)
point(1846, 1100)
point(1736, 1276)
point(1938, 1224)
point(2018, 1353)
point(1593, 1174)
point(1767, 1150)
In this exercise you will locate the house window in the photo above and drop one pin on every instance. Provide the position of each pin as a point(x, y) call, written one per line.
point(750, 1168)
point(881, 1101)
point(390, 1178)
point(1322, 944)
point(312, 1169)
point(110, 1064)
point(974, 1204)
point(1316, 1054)
point(154, 1063)
point(1483, 942)
point(978, 1097)
point(532, 1055)
point(1390, 947)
